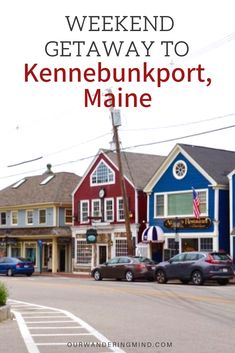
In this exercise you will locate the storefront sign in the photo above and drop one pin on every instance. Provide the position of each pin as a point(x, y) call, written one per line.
point(91, 236)
point(173, 223)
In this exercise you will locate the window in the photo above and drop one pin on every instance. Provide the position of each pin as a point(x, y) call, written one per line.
point(30, 251)
point(84, 252)
point(42, 216)
point(120, 210)
point(47, 179)
point(84, 211)
point(3, 218)
point(14, 217)
point(178, 258)
point(29, 217)
point(179, 204)
point(160, 205)
point(16, 250)
point(180, 170)
point(121, 247)
point(102, 175)
point(206, 244)
point(96, 211)
point(109, 210)
point(68, 215)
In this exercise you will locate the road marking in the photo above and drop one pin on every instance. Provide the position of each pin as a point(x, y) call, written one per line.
point(29, 338)
point(29, 342)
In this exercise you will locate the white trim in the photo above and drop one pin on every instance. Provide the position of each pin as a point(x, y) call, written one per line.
point(165, 165)
point(136, 209)
point(178, 192)
point(105, 209)
point(26, 217)
point(105, 183)
point(98, 252)
point(117, 209)
point(92, 207)
point(81, 202)
point(17, 218)
point(179, 177)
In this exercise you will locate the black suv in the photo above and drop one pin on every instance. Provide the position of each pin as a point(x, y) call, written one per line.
point(196, 267)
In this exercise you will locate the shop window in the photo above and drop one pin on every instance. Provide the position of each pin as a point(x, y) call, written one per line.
point(121, 247)
point(206, 244)
point(84, 252)
point(16, 251)
point(30, 252)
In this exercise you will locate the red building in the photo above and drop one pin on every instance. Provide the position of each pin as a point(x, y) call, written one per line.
point(98, 206)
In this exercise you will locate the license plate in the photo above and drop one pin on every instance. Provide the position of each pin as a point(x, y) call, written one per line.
point(26, 266)
point(224, 270)
point(153, 267)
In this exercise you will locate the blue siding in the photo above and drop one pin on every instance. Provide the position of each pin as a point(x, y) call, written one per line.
point(61, 217)
point(233, 193)
point(168, 183)
point(224, 220)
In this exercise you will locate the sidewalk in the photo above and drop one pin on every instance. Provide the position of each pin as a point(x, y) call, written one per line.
point(82, 275)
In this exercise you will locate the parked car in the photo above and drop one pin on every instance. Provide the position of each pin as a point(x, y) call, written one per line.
point(196, 267)
point(125, 267)
point(16, 265)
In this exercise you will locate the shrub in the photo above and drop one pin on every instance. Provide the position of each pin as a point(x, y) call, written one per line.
point(3, 294)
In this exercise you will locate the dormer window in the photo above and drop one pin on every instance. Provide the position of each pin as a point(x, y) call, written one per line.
point(102, 175)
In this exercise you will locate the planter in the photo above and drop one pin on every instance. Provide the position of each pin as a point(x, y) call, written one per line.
point(5, 312)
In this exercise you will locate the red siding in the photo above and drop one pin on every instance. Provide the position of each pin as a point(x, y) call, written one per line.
point(88, 192)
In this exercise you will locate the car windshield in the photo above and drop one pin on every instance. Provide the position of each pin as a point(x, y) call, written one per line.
point(144, 259)
point(23, 259)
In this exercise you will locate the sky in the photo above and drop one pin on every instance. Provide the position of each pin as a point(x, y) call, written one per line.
point(48, 122)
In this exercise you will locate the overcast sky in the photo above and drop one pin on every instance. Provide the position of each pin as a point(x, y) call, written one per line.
point(49, 120)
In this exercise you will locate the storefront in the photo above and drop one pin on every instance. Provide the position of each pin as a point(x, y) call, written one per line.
point(49, 252)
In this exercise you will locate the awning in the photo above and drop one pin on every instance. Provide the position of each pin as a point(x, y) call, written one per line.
point(152, 234)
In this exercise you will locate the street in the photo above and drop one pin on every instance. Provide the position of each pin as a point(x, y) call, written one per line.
point(134, 317)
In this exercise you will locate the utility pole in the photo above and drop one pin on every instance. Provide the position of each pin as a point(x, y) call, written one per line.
point(123, 185)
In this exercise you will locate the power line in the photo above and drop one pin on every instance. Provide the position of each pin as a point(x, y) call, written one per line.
point(129, 147)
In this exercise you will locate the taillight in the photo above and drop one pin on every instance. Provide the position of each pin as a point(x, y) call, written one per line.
point(139, 266)
point(18, 265)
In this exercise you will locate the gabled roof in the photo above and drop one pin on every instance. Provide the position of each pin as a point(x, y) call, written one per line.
point(138, 168)
point(214, 164)
point(58, 189)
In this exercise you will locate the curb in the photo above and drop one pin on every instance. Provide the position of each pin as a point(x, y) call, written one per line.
point(5, 312)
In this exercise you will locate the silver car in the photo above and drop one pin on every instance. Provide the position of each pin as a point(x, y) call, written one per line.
point(196, 267)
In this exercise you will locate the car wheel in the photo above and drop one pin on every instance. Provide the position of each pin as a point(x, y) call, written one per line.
point(97, 275)
point(28, 274)
point(129, 276)
point(197, 278)
point(184, 281)
point(10, 272)
point(161, 277)
point(223, 281)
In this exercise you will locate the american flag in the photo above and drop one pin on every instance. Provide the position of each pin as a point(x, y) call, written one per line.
point(196, 204)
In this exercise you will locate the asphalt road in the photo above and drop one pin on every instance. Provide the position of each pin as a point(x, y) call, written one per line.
point(137, 317)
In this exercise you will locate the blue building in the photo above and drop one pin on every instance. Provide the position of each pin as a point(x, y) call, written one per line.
point(231, 177)
point(170, 201)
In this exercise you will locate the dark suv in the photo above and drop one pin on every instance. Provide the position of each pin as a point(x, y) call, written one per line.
point(196, 267)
